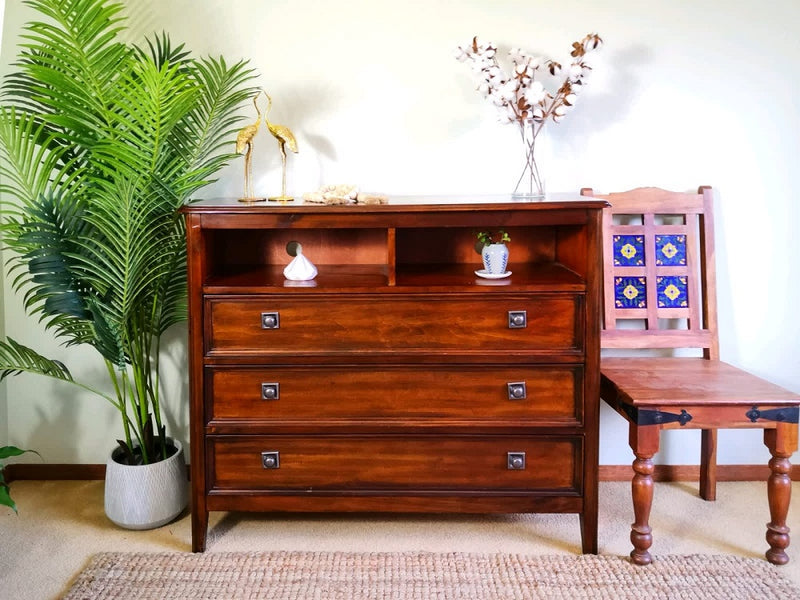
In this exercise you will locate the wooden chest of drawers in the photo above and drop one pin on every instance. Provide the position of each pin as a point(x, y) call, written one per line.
point(397, 380)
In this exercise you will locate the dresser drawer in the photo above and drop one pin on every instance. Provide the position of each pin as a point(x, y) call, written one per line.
point(358, 323)
point(525, 394)
point(405, 463)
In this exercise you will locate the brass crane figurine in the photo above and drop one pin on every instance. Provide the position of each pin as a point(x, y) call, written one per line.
point(285, 138)
point(244, 140)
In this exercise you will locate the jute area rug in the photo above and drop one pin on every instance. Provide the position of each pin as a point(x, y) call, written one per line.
point(423, 576)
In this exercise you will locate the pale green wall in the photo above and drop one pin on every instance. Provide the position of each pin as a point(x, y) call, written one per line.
point(684, 93)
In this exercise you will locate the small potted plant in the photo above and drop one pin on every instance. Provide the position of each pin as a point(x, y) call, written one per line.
point(491, 245)
point(5, 490)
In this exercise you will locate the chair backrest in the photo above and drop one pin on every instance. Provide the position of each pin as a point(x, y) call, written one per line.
point(658, 258)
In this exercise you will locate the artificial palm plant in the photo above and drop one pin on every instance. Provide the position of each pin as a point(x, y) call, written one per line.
point(102, 142)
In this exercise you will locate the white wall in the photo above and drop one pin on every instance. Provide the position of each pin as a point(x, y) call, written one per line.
point(684, 93)
point(3, 397)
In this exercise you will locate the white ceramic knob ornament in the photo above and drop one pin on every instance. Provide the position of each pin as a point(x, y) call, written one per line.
point(300, 269)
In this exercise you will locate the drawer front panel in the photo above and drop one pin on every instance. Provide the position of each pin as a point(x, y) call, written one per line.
point(396, 462)
point(481, 393)
point(362, 323)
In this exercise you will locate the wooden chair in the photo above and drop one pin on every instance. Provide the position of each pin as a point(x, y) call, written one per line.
point(659, 272)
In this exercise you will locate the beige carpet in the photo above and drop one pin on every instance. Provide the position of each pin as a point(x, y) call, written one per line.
point(61, 526)
point(423, 576)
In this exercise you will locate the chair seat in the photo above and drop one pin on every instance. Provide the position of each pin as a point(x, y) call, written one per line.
point(662, 382)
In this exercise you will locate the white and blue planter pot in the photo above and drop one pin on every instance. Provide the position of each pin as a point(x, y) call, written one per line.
point(495, 258)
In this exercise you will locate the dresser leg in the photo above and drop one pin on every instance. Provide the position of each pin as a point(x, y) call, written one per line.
point(644, 442)
point(782, 442)
point(589, 531)
point(199, 528)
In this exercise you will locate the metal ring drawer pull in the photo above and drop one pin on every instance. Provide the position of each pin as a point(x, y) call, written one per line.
point(516, 461)
point(271, 459)
point(517, 319)
point(517, 390)
point(270, 320)
point(270, 391)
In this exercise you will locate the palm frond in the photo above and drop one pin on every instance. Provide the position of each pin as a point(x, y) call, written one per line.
point(162, 52)
point(69, 65)
point(101, 143)
point(16, 358)
point(48, 238)
point(205, 135)
point(34, 160)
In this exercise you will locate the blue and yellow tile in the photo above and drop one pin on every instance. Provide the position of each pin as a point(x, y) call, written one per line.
point(672, 292)
point(671, 250)
point(630, 292)
point(628, 250)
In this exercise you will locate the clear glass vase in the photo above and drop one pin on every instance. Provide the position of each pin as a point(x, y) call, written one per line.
point(531, 182)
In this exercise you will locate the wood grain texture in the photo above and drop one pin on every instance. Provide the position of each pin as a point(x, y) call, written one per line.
point(364, 462)
point(690, 381)
point(394, 363)
point(358, 323)
point(553, 394)
point(665, 473)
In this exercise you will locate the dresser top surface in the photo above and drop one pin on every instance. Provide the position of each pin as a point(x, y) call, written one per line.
point(416, 203)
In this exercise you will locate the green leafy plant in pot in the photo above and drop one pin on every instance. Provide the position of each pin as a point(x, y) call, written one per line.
point(102, 142)
point(491, 245)
point(5, 490)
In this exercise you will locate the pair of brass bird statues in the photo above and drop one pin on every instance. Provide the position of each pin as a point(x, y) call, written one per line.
point(244, 143)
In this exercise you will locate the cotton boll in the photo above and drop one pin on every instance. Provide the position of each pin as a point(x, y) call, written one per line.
point(592, 42)
point(460, 54)
point(509, 89)
point(535, 93)
point(498, 99)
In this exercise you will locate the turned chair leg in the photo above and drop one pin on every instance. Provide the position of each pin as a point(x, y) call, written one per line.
point(708, 464)
point(644, 443)
point(782, 442)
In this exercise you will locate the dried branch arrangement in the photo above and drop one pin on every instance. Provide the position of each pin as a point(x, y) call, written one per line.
point(522, 97)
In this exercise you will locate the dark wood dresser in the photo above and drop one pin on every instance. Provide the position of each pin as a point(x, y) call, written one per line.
point(397, 380)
